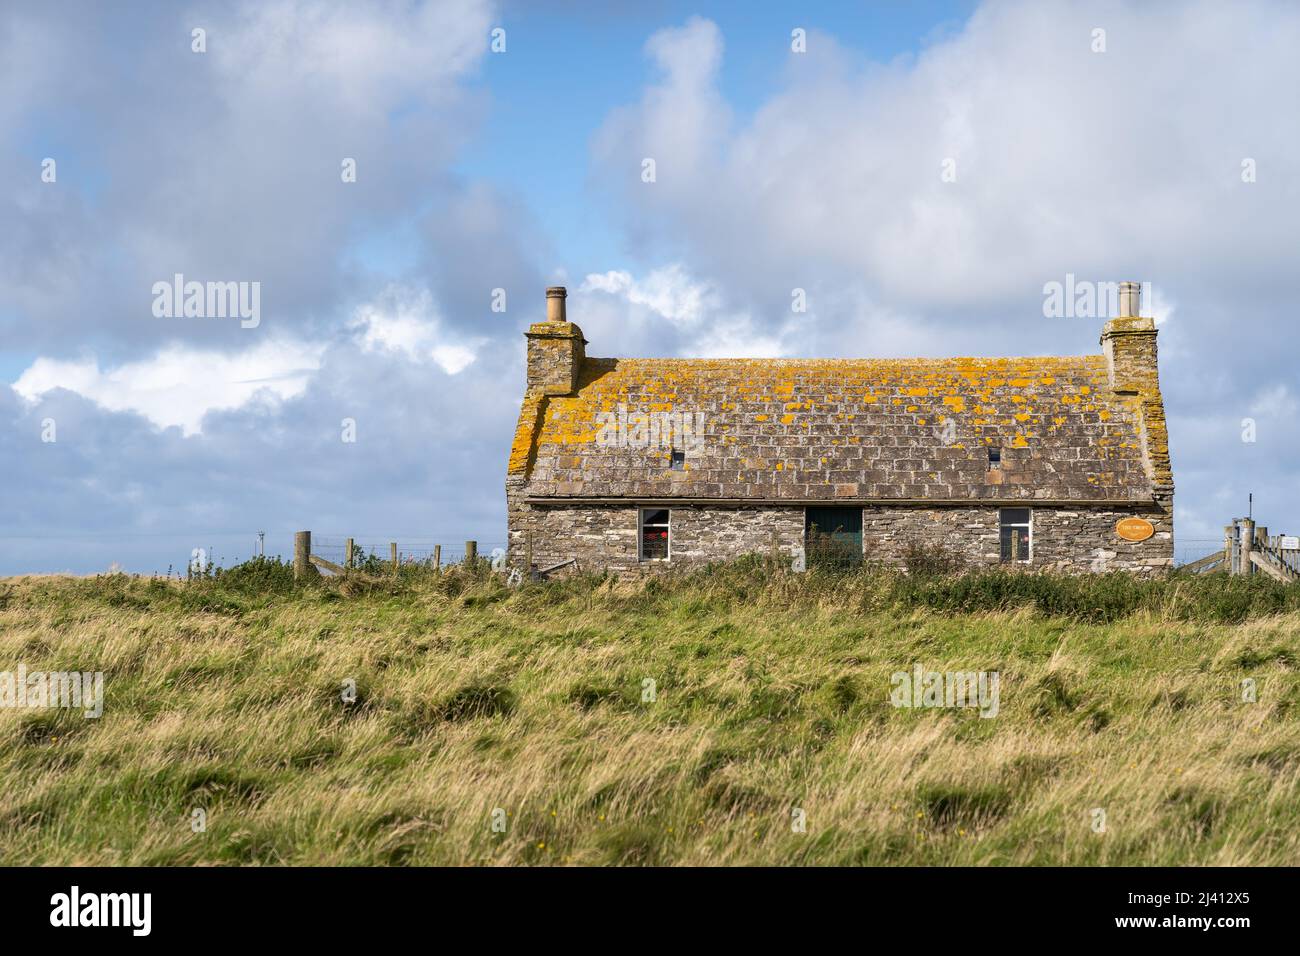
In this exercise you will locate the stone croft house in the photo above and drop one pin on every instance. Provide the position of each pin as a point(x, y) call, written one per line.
point(648, 464)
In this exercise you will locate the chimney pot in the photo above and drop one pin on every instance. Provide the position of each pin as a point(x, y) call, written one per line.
point(555, 296)
point(1130, 299)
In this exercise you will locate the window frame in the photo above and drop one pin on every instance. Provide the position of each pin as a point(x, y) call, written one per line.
point(1028, 525)
point(640, 534)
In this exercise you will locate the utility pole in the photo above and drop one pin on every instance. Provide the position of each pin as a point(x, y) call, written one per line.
point(261, 544)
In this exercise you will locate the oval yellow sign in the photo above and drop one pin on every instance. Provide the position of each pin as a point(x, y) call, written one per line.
point(1134, 529)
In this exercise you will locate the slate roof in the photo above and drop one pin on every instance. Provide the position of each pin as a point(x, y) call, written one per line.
point(790, 430)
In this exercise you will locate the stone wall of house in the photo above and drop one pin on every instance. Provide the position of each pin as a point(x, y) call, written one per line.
point(605, 536)
point(1063, 539)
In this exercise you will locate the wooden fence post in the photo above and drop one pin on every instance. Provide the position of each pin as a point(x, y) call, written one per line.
point(301, 555)
point(471, 553)
point(437, 558)
point(347, 554)
point(1227, 548)
point(392, 553)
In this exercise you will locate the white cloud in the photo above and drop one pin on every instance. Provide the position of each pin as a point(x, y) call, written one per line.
point(361, 57)
point(178, 385)
point(404, 321)
point(737, 338)
point(671, 312)
point(1105, 165)
point(668, 312)
point(669, 292)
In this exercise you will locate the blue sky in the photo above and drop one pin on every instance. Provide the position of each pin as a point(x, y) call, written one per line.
point(562, 74)
point(480, 171)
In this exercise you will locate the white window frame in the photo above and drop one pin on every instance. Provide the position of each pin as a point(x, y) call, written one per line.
point(1027, 525)
point(640, 534)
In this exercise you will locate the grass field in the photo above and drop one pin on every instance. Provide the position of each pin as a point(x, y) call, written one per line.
point(530, 709)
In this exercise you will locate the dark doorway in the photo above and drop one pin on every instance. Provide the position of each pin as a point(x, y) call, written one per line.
point(833, 536)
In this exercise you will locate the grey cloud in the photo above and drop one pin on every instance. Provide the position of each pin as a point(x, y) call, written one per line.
point(429, 461)
point(220, 166)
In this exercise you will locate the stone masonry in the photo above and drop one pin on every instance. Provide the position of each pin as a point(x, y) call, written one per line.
point(929, 449)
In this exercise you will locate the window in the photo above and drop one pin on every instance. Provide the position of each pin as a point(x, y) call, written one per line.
point(995, 457)
point(654, 534)
point(1016, 526)
point(832, 536)
point(678, 461)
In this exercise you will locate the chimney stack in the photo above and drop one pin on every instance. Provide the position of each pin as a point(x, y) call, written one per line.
point(555, 297)
point(556, 349)
point(1130, 300)
point(1129, 343)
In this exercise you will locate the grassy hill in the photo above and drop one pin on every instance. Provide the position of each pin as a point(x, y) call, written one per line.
point(530, 708)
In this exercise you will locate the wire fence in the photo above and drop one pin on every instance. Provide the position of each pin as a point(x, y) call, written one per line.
point(333, 547)
point(1187, 550)
point(175, 552)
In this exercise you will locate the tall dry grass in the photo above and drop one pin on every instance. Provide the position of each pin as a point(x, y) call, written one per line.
point(771, 695)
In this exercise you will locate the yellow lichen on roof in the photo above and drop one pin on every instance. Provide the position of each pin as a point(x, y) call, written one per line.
point(802, 409)
point(521, 448)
